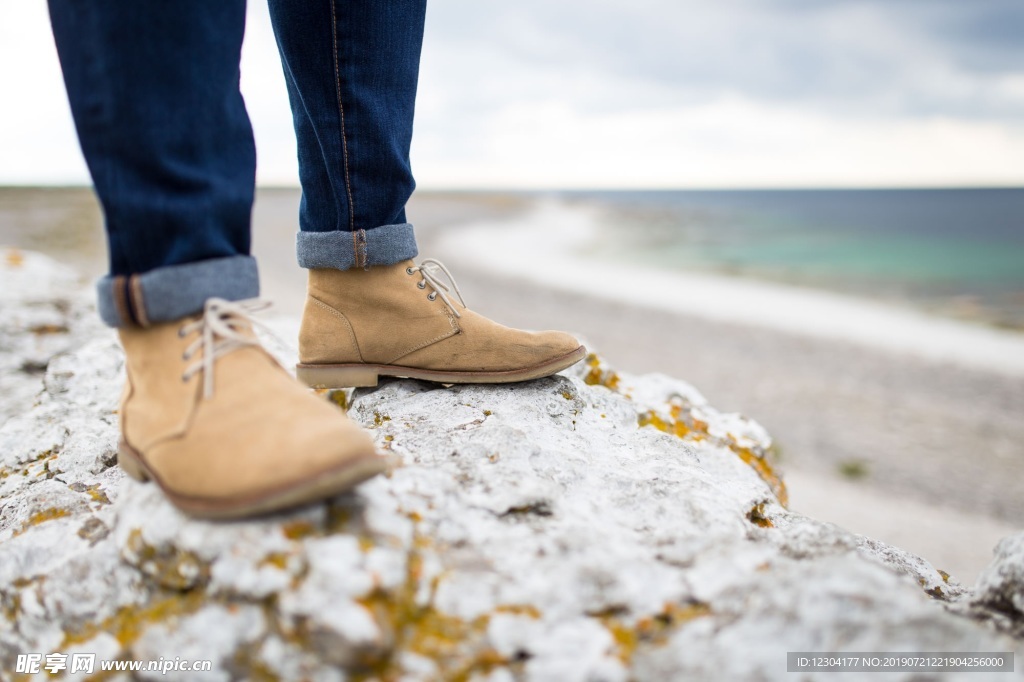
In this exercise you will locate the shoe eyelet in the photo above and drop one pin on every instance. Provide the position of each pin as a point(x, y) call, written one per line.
point(421, 284)
point(432, 295)
point(184, 378)
point(408, 271)
point(181, 333)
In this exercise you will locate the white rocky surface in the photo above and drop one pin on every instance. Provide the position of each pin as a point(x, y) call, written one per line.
point(40, 302)
point(586, 527)
point(999, 594)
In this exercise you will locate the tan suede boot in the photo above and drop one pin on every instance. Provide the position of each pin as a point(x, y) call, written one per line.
point(223, 429)
point(401, 320)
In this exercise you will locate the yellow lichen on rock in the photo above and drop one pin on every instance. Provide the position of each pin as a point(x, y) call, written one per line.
point(129, 622)
point(528, 610)
point(458, 647)
point(759, 464)
point(683, 424)
point(298, 530)
point(653, 630)
point(339, 397)
point(95, 493)
point(42, 517)
point(600, 374)
point(757, 517)
point(10, 600)
point(247, 658)
point(277, 560)
point(171, 567)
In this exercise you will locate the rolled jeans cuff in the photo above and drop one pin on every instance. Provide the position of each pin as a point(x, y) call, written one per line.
point(176, 291)
point(385, 245)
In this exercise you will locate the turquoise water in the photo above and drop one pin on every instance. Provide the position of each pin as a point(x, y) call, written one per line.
point(953, 252)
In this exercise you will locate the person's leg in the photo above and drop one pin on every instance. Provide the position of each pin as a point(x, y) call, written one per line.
point(154, 92)
point(207, 413)
point(351, 67)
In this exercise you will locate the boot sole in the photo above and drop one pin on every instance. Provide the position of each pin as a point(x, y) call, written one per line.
point(312, 489)
point(361, 375)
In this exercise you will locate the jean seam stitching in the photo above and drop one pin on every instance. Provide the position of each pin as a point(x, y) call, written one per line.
point(361, 255)
point(135, 291)
point(341, 114)
point(120, 304)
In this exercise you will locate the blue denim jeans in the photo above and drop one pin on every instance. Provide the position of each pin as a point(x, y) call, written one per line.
point(154, 91)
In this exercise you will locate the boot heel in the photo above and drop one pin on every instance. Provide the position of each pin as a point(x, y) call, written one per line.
point(130, 464)
point(336, 377)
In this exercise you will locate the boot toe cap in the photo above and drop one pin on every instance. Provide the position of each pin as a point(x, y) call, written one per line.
point(273, 453)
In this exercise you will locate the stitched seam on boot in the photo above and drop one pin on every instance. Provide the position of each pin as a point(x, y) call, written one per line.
point(123, 408)
point(442, 337)
point(174, 433)
point(348, 325)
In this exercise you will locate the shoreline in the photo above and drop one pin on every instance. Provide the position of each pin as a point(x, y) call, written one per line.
point(544, 246)
point(938, 442)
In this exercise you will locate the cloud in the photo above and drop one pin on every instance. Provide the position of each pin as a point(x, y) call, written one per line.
point(639, 92)
point(749, 93)
point(871, 58)
point(732, 142)
point(37, 136)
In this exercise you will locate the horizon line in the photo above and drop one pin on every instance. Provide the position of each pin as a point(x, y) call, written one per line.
point(580, 189)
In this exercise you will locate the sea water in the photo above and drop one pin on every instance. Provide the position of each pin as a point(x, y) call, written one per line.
point(956, 252)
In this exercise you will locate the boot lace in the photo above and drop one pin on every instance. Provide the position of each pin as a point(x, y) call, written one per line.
point(429, 269)
point(220, 328)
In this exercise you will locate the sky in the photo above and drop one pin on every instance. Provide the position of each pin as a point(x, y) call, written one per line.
point(547, 94)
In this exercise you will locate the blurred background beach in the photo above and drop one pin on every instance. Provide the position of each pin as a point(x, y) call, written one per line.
point(811, 211)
